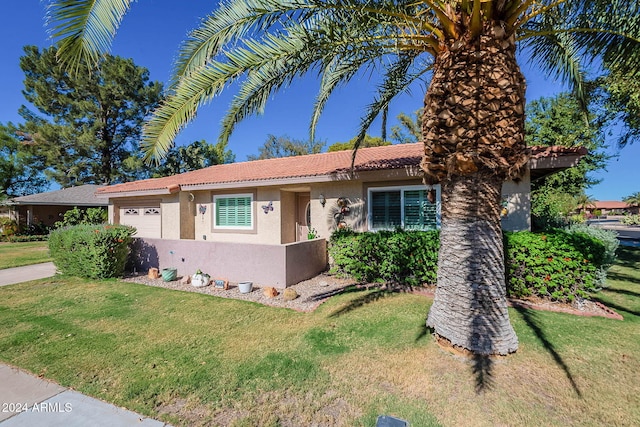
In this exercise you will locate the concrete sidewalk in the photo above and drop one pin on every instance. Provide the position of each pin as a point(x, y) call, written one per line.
point(11, 276)
point(26, 400)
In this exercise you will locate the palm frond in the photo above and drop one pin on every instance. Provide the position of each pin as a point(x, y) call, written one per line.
point(230, 23)
point(84, 29)
point(399, 76)
point(235, 21)
point(576, 33)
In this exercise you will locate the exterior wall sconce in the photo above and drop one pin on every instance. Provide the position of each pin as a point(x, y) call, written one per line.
point(322, 200)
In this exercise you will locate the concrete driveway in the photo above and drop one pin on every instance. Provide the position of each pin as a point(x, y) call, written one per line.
point(10, 276)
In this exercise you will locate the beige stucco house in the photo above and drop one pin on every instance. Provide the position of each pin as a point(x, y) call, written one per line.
point(256, 206)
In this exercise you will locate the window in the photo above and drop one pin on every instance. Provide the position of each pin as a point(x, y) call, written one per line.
point(233, 211)
point(151, 211)
point(406, 207)
point(131, 211)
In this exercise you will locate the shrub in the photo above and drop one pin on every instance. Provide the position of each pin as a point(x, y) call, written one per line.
point(609, 239)
point(557, 265)
point(77, 216)
point(407, 257)
point(630, 220)
point(8, 227)
point(91, 251)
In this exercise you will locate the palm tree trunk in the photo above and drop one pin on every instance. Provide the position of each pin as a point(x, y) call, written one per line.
point(473, 129)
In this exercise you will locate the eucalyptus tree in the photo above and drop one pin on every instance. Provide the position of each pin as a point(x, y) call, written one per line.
point(473, 117)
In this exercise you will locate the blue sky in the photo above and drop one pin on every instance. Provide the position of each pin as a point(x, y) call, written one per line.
point(151, 34)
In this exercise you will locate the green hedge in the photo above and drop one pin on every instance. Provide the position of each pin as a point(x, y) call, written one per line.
point(409, 257)
point(91, 251)
point(557, 265)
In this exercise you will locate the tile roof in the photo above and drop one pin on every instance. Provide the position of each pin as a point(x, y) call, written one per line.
point(610, 204)
point(82, 195)
point(313, 165)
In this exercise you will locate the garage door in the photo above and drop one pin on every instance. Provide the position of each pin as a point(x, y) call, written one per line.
point(146, 219)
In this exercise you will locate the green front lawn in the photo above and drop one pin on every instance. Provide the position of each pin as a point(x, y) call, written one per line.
point(193, 359)
point(23, 253)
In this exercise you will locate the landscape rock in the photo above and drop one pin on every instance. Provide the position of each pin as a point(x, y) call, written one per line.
point(154, 273)
point(270, 292)
point(289, 294)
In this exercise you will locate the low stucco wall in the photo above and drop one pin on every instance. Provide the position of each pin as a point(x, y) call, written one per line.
point(264, 265)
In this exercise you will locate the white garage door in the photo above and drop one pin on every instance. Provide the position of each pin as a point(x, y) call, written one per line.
point(146, 219)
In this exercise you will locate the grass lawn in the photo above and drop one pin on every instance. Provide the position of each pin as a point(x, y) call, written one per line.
point(193, 359)
point(23, 253)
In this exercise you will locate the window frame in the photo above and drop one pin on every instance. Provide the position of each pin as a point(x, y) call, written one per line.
point(402, 189)
point(251, 198)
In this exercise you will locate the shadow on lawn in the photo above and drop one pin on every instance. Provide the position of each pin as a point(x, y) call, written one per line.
point(482, 366)
point(622, 291)
point(612, 275)
point(530, 317)
point(377, 293)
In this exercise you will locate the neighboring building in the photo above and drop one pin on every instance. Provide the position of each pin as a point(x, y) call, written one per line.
point(47, 208)
point(610, 207)
point(279, 201)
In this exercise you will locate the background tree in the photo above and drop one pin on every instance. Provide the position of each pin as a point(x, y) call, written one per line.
point(19, 175)
point(283, 146)
point(473, 120)
point(561, 121)
point(618, 96)
point(197, 155)
point(89, 122)
point(410, 128)
point(633, 199)
point(368, 141)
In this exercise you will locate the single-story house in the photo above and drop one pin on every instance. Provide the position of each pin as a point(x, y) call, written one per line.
point(254, 220)
point(48, 208)
point(609, 207)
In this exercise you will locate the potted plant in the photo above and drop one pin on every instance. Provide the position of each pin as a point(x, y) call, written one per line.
point(171, 273)
point(245, 287)
point(200, 279)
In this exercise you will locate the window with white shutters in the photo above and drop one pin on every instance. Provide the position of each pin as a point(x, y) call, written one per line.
point(405, 207)
point(233, 211)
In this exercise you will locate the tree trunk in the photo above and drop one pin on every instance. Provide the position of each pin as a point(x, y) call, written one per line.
point(473, 129)
point(470, 307)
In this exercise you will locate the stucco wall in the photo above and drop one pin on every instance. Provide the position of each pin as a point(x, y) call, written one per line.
point(323, 218)
point(170, 208)
point(516, 198)
point(264, 265)
point(267, 226)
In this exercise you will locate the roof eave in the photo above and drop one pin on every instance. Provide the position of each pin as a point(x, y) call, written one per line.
point(165, 191)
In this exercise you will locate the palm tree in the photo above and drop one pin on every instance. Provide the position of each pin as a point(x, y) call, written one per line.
point(633, 199)
point(584, 201)
point(473, 117)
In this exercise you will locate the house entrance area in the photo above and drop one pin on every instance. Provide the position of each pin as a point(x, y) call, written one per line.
point(303, 216)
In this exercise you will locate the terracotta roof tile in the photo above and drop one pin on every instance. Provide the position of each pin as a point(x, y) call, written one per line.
point(374, 158)
point(611, 204)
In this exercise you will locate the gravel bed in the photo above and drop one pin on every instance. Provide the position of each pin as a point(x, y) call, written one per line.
point(315, 291)
point(311, 292)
